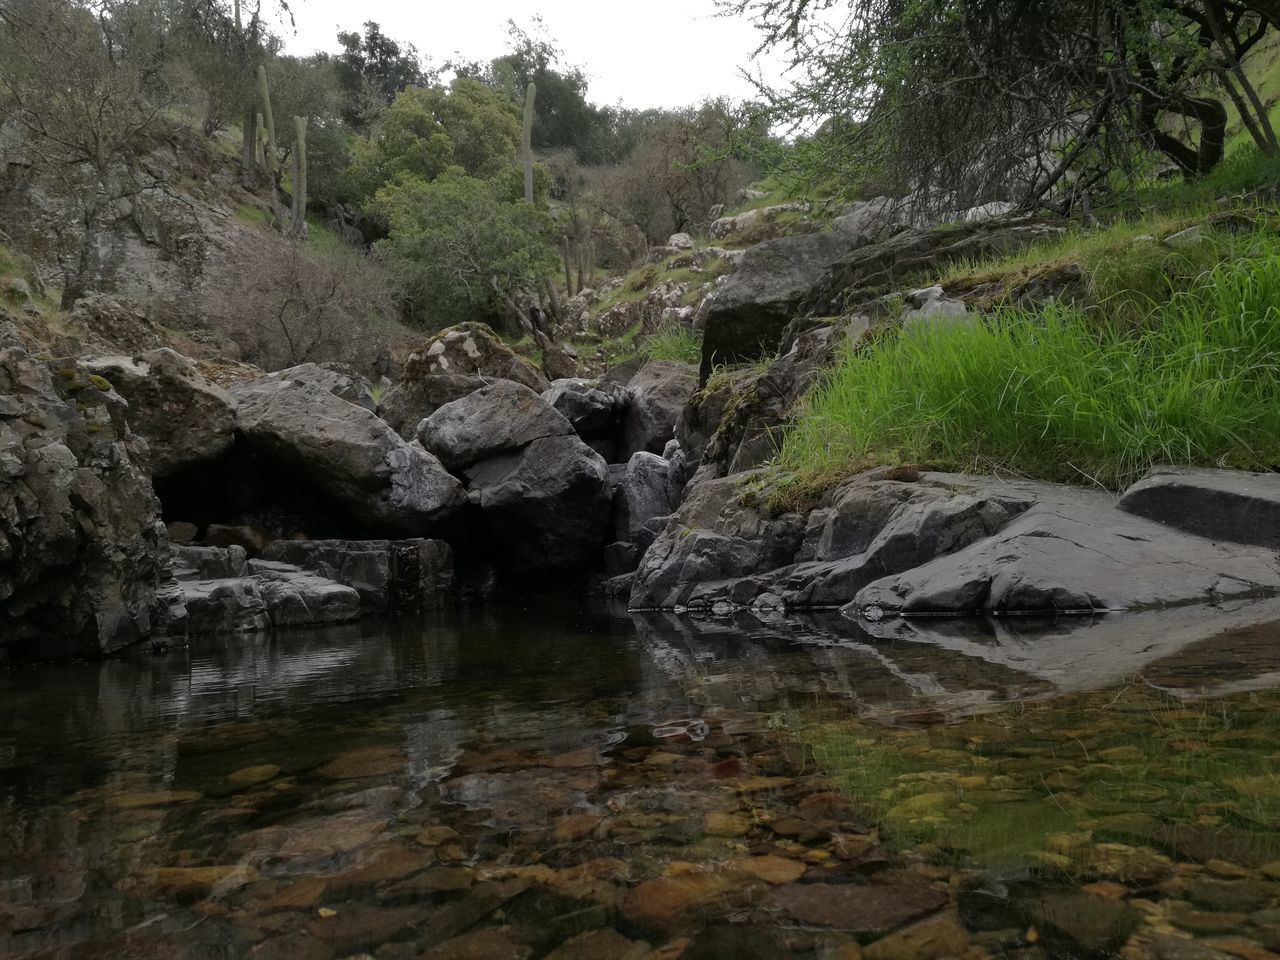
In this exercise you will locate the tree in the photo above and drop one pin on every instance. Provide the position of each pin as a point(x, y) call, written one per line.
point(462, 249)
point(73, 85)
point(962, 101)
point(428, 129)
point(372, 69)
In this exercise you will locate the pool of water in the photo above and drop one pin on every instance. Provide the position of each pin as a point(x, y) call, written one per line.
point(578, 783)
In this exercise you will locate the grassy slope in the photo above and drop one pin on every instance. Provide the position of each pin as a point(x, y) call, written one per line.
point(1174, 355)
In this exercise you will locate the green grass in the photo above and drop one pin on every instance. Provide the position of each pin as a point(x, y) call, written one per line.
point(674, 343)
point(1067, 394)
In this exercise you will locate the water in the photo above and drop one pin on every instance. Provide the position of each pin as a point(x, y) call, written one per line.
point(568, 783)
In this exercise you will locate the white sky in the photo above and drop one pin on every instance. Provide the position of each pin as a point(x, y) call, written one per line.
point(650, 54)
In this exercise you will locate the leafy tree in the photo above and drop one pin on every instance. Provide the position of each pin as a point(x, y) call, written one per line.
point(428, 129)
point(372, 69)
point(461, 248)
point(963, 101)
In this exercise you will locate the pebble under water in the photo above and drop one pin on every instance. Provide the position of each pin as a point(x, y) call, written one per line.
point(510, 784)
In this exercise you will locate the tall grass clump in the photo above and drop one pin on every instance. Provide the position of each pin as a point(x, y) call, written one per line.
point(1062, 395)
point(674, 343)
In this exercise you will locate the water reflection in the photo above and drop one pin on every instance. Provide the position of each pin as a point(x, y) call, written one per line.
point(590, 775)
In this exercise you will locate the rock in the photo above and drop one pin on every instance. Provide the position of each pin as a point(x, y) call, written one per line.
point(719, 824)
point(1218, 504)
point(594, 410)
point(252, 776)
point(643, 492)
point(400, 577)
point(418, 394)
point(295, 598)
point(184, 418)
point(494, 420)
point(680, 241)
point(717, 537)
point(83, 554)
point(487, 944)
point(349, 455)
point(667, 905)
point(927, 940)
point(115, 323)
point(659, 391)
point(1073, 551)
point(209, 563)
point(545, 507)
point(870, 909)
point(750, 429)
point(775, 871)
point(339, 380)
point(365, 762)
point(186, 884)
point(472, 349)
point(726, 227)
point(870, 221)
point(931, 307)
point(745, 315)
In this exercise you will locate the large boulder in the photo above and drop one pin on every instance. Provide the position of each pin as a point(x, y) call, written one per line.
point(643, 491)
point(472, 349)
point(1220, 504)
point(543, 493)
point(417, 395)
point(82, 552)
point(1075, 552)
point(823, 273)
point(545, 506)
point(745, 315)
point(593, 408)
point(493, 420)
point(723, 533)
point(338, 379)
point(348, 455)
point(185, 419)
point(659, 392)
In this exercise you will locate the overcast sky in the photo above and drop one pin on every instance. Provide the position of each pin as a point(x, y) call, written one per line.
point(650, 54)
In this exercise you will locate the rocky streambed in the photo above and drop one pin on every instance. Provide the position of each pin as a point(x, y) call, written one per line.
point(593, 784)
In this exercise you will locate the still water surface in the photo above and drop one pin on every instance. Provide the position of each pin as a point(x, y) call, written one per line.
point(569, 783)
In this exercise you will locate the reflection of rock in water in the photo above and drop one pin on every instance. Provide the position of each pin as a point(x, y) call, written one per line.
point(781, 664)
point(959, 664)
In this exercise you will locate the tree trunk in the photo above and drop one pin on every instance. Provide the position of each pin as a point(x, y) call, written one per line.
point(249, 148)
point(526, 142)
point(77, 283)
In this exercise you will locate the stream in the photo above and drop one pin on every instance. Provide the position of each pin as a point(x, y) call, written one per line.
point(552, 781)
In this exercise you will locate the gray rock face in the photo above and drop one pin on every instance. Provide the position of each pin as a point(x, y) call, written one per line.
point(192, 562)
point(271, 595)
point(718, 537)
point(82, 551)
point(493, 420)
point(642, 493)
point(349, 455)
point(1219, 504)
point(399, 577)
point(593, 409)
point(347, 384)
point(185, 419)
point(414, 399)
point(746, 314)
point(897, 542)
point(659, 391)
point(1074, 552)
point(545, 506)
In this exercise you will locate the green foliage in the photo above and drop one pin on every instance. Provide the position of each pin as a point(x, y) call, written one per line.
point(674, 343)
point(1063, 394)
point(429, 129)
point(460, 246)
point(372, 69)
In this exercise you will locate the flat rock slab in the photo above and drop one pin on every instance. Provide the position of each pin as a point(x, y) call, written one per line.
point(1075, 553)
point(1219, 504)
point(872, 909)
